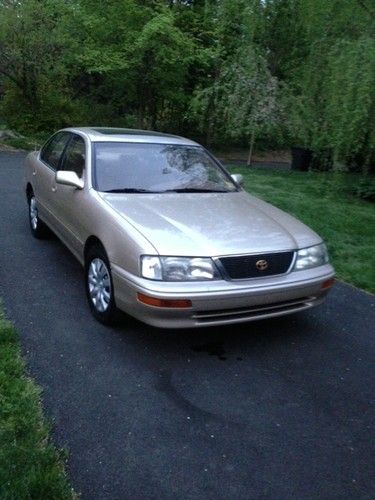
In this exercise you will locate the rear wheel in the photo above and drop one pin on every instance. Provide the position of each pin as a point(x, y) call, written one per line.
point(38, 228)
point(99, 285)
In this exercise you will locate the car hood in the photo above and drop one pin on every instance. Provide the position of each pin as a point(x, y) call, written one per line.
point(210, 224)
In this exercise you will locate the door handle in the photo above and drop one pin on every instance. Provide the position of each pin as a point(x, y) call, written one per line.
point(34, 171)
point(54, 188)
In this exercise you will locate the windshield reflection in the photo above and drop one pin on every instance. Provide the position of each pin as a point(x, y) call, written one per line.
point(157, 168)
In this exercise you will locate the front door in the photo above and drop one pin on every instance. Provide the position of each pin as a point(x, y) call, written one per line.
point(44, 180)
point(68, 202)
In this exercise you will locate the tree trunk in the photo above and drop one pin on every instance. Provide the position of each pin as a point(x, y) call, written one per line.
point(252, 140)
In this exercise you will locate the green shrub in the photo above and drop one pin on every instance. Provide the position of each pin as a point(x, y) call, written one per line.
point(365, 189)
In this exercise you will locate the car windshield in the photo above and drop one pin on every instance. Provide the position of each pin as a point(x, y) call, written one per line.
point(122, 167)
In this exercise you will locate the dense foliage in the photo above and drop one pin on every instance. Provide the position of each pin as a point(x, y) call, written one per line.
point(278, 72)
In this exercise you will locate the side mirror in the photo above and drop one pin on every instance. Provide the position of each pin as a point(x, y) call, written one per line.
point(238, 179)
point(68, 178)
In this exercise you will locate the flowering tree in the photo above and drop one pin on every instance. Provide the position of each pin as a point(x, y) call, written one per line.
point(243, 101)
point(252, 102)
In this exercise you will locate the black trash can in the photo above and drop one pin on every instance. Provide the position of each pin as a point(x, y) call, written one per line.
point(301, 158)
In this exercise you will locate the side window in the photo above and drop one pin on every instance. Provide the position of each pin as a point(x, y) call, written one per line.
point(75, 155)
point(52, 151)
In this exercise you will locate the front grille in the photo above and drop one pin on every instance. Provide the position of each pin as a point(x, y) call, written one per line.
point(245, 266)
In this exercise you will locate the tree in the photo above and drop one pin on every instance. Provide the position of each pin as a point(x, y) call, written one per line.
point(31, 49)
point(328, 75)
point(131, 60)
point(253, 100)
point(235, 26)
point(161, 57)
point(351, 100)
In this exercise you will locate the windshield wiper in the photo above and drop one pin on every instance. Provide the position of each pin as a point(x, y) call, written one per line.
point(178, 190)
point(131, 190)
point(197, 190)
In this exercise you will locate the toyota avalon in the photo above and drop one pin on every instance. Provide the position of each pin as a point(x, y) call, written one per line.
point(166, 234)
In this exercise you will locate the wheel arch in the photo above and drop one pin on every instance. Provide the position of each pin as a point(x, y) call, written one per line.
point(29, 191)
point(90, 242)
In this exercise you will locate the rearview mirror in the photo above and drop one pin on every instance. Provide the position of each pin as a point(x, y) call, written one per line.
point(238, 178)
point(69, 178)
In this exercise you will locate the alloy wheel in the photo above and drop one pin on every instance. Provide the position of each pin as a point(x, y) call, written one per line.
point(33, 213)
point(99, 284)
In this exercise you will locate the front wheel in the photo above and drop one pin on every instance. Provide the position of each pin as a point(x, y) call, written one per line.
point(38, 228)
point(99, 286)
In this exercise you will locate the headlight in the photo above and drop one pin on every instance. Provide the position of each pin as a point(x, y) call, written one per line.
point(178, 268)
point(311, 257)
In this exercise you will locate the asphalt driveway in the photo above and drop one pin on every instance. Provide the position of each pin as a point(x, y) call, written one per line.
point(272, 410)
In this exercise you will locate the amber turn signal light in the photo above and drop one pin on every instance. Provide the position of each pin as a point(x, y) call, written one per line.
point(327, 283)
point(152, 301)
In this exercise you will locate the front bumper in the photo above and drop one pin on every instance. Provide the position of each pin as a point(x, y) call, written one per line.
point(220, 302)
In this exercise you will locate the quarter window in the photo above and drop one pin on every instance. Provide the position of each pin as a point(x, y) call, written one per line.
point(52, 151)
point(75, 155)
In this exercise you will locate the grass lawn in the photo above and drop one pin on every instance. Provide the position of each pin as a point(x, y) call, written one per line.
point(30, 467)
point(325, 203)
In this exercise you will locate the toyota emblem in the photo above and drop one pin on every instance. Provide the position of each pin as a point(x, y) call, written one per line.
point(261, 265)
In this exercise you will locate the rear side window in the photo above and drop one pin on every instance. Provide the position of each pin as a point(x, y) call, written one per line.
point(52, 151)
point(75, 156)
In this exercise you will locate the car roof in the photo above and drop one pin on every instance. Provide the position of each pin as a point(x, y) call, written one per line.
point(109, 134)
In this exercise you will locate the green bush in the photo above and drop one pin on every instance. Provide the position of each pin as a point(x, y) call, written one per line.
point(365, 189)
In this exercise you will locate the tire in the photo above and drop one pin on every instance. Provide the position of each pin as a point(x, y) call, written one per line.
point(38, 228)
point(99, 285)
